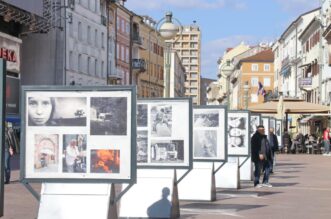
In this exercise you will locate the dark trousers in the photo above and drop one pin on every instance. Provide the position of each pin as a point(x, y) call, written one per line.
point(7, 166)
point(261, 165)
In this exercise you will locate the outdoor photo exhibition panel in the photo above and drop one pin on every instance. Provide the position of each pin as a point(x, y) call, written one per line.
point(255, 122)
point(279, 131)
point(209, 137)
point(265, 123)
point(272, 123)
point(239, 133)
point(79, 134)
point(164, 133)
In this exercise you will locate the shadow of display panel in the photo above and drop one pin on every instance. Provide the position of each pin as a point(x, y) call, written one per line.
point(238, 131)
point(209, 133)
point(164, 133)
point(78, 134)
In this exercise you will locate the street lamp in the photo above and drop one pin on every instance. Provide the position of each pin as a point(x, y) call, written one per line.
point(227, 69)
point(246, 89)
point(168, 30)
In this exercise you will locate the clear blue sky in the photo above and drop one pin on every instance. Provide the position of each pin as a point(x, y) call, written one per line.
point(225, 23)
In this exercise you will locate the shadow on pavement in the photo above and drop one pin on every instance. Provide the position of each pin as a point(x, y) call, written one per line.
point(284, 184)
point(290, 171)
point(290, 164)
point(284, 177)
point(247, 193)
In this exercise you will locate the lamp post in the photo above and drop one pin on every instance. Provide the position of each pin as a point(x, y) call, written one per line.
point(227, 69)
point(246, 89)
point(168, 30)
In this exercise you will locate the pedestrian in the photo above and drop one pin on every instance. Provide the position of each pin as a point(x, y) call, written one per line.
point(261, 154)
point(326, 142)
point(9, 151)
point(287, 142)
point(273, 141)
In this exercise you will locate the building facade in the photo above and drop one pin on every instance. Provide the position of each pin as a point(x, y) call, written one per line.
point(188, 46)
point(177, 76)
point(257, 72)
point(205, 84)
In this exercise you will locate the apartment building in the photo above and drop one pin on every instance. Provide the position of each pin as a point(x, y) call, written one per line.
point(188, 46)
point(177, 76)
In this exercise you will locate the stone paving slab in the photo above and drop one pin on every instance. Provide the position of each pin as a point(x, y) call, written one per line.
point(302, 190)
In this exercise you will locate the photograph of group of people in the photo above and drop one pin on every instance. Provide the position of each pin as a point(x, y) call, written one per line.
point(238, 133)
point(69, 149)
point(156, 144)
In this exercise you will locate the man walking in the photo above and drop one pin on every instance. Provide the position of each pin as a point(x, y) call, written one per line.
point(326, 141)
point(261, 155)
point(273, 141)
point(8, 153)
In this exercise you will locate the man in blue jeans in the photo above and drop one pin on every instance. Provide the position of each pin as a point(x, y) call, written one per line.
point(8, 153)
point(261, 156)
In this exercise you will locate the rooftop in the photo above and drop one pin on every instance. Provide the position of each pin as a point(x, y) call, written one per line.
point(264, 56)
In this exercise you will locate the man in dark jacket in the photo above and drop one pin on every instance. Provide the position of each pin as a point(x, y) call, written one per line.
point(261, 154)
point(273, 141)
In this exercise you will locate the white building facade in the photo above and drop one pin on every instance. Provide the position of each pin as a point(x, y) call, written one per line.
point(177, 76)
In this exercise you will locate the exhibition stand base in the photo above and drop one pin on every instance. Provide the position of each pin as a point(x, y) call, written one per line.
point(246, 168)
point(77, 200)
point(199, 184)
point(155, 195)
point(229, 175)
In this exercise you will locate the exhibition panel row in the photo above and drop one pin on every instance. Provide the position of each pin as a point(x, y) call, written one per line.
point(103, 134)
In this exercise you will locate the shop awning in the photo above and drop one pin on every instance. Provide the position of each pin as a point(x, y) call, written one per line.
point(291, 106)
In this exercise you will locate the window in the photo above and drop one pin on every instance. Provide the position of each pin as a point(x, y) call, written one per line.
point(71, 29)
point(102, 40)
point(122, 53)
point(127, 28)
point(254, 98)
point(96, 38)
point(71, 61)
point(80, 35)
point(266, 82)
point(127, 55)
point(80, 62)
point(95, 67)
point(88, 65)
point(118, 51)
point(122, 25)
point(266, 67)
point(102, 69)
point(118, 23)
point(254, 81)
point(194, 75)
point(255, 67)
point(89, 34)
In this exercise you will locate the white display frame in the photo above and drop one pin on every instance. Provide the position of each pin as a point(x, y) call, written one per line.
point(125, 143)
point(272, 124)
point(181, 130)
point(220, 129)
point(265, 121)
point(246, 151)
point(258, 117)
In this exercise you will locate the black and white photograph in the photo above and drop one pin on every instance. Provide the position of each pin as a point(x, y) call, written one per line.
point(167, 151)
point(208, 119)
point(272, 123)
point(161, 121)
point(205, 143)
point(255, 122)
point(74, 153)
point(142, 143)
point(238, 133)
point(56, 111)
point(142, 115)
point(277, 131)
point(108, 116)
point(266, 124)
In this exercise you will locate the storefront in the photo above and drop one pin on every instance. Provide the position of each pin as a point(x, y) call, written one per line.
point(10, 48)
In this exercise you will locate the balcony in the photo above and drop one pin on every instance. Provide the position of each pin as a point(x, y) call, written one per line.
point(306, 83)
point(137, 39)
point(139, 64)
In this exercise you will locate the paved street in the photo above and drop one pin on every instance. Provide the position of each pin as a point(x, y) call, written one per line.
point(302, 189)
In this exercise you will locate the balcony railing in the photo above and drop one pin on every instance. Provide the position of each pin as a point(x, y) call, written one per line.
point(306, 82)
point(137, 39)
point(139, 64)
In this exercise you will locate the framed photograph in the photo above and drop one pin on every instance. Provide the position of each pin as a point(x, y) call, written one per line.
point(272, 124)
point(279, 131)
point(79, 134)
point(209, 133)
point(255, 122)
point(266, 124)
point(238, 133)
point(164, 133)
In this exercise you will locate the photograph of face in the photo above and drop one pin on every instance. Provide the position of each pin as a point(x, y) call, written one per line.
point(56, 111)
point(142, 115)
point(171, 151)
point(161, 121)
point(237, 131)
point(142, 142)
point(278, 129)
point(46, 153)
point(210, 119)
point(74, 154)
point(255, 122)
point(41, 111)
point(205, 143)
point(108, 116)
point(105, 161)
